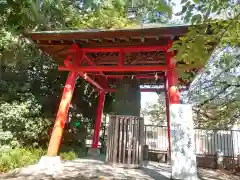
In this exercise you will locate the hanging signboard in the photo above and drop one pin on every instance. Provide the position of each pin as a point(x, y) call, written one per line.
point(183, 158)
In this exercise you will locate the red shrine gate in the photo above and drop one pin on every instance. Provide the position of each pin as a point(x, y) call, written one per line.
point(104, 57)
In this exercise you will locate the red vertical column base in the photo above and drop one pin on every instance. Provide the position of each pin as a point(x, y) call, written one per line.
point(97, 126)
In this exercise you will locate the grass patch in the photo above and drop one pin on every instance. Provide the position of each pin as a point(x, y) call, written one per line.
point(68, 155)
point(21, 157)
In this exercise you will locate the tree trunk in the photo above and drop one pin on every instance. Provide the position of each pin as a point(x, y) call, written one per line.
point(128, 98)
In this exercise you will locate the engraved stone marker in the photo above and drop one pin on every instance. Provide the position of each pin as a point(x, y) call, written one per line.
point(183, 158)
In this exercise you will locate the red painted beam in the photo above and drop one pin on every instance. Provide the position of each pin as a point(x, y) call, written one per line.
point(114, 68)
point(67, 61)
point(77, 59)
point(135, 76)
point(91, 62)
point(73, 49)
point(142, 90)
point(94, 64)
point(121, 58)
point(88, 60)
point(126, 49)
point(91, 81)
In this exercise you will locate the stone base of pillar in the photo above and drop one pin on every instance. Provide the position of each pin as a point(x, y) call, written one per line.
point(51, 166)
point(93, 152)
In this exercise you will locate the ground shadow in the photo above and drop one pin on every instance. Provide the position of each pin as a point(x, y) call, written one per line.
point(90, 168)
point(154, 174)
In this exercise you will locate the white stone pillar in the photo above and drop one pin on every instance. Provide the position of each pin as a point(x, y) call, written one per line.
point(183, 158)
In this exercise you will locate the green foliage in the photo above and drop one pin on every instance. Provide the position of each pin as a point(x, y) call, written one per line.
point(30, 85)
point(215, 23)
point(19, 157)
point(165, 8)
point(207, 9)
point(74, 138)
point(20, 124)
point(156, 112)
point(151, 11)
point(215, 93)
point(193, 47)
point(22, 157)
point(68, 156)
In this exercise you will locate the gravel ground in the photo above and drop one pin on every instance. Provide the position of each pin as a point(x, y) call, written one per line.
point(84, 169)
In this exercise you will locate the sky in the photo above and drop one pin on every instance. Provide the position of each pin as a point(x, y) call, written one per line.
point(148, 97)
point(177, 8)
point(151, 97)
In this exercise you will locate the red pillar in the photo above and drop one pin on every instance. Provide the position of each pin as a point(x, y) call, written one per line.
point(167, 113)
point(62, 114)
point(97, 126)
point(172, 92)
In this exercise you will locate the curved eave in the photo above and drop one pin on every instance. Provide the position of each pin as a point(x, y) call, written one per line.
point(57, 43)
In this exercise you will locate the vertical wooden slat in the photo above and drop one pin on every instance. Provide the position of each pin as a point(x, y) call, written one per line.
point(125, 125)
point(108, 142)
point(134, 140)
point(130, 141)
point(141, 127)
point(112, 136)
point(145, 134)
point(137, 143)
point(152, 139)
point(120, 139)
point(115, 140)
point(109, 138)
point(139, 138)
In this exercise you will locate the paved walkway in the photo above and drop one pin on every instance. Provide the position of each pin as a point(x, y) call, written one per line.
point(84, 169)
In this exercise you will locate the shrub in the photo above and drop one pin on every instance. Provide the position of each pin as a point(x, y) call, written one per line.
point(19, 157)
point(68, 155)
point(72, 148)
point(21, 124)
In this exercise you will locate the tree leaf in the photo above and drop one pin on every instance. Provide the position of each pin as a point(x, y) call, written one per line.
point(196, 1)
point(214, 7)
point(184, 9)
point(196, 18)
point(183, 1)
point(165, 8)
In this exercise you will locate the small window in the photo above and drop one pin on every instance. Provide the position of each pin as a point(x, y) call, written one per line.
point(151, 134)
point(153, 144)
